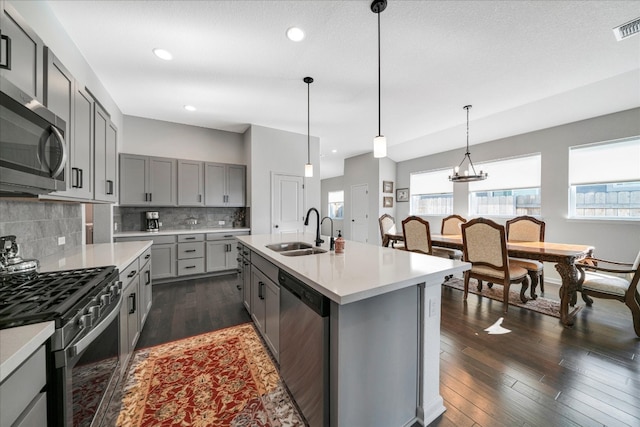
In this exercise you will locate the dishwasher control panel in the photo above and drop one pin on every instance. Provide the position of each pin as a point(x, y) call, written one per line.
point(312, 298)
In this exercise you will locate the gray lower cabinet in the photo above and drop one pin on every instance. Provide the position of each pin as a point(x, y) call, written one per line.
point(265, 302)
point(136, 303)
point(190, 254)
point(21, 401)
point(164, 261)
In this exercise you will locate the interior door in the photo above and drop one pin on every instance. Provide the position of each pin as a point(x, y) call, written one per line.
point(286, 204)
point(360, 213)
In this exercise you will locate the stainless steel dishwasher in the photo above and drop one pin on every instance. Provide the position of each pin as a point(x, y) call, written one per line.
point(304, 347)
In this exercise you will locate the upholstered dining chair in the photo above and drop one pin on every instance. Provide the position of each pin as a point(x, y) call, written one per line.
point(594, 282)
point(528, 229)
point(417, 237)
point(484, 245)
point(388, 225)
point(450, 226)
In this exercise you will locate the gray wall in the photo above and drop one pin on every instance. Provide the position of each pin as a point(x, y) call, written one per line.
point(37, 226)
point(613, 239)
point(327, 185)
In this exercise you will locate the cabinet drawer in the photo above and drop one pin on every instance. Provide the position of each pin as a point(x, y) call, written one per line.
point(227, 235)
point(190, 266)
point(145, 258)
point(157, 240)
point(127, 275)
point(22, 386)
point(190, 238)
point(270, 270)
point(190, 250)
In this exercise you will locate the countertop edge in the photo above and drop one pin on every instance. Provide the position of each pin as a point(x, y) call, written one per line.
point(17, 344)
point(429, 278)
point(179, 231)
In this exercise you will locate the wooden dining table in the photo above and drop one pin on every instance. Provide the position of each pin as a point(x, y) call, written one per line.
point(564, 256)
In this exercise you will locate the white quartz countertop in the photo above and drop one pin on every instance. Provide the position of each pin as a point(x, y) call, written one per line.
point(17, 344)
point(120, 254)
point(361, 272)
point(172, 232)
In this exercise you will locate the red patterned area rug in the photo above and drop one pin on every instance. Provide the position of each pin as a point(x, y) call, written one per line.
point(540, 304)
point(222, 378)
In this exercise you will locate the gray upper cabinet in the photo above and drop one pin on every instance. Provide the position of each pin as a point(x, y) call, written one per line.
point(148, 181)
point(224, 184)
point(105, 146)
point(190, 183)
point(73, 104)
point(22, 64)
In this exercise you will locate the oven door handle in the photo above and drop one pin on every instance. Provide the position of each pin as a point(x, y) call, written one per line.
point(83, 343)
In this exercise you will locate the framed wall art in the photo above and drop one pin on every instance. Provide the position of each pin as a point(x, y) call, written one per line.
point(387, 186)
point(402, 195)
point(387, 202)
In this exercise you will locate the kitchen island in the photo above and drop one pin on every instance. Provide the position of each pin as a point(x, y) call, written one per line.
point(384, 334)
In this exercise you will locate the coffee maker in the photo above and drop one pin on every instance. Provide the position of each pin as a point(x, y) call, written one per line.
point(153, 221)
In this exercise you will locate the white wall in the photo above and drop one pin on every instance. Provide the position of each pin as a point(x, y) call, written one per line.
point(619, 240)
point(167, 139)
point(277, 151)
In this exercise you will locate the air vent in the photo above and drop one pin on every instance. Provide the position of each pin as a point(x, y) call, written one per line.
point(627, 30)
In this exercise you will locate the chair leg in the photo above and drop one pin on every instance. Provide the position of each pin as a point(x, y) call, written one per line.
point(533, 274)
point(523, 289)
point(587, 299)
point(505, 296)
point(634, 306)
point(542, 282)
point(466, 284)
point(479, 285)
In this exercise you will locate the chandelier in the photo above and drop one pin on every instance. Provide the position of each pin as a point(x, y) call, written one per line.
point(469, 173)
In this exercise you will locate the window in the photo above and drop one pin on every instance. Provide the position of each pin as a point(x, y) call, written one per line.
point(604, 180)
point(512, 188)
point(336, 204)
point(431, 193)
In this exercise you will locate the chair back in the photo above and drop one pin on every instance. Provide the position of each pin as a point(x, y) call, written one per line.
point(525, 229)
point(417, 237)
point(451, 224)
point(387, 225)
point(485, 246)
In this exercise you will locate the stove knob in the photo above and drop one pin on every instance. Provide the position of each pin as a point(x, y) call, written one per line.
point(86, 321)
point(105, 300)
point(94, 310)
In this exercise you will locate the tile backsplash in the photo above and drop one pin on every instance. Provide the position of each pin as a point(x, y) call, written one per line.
point(175, 218)
point(37, 226)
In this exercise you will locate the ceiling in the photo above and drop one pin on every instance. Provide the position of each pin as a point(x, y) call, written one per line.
point(523, 65)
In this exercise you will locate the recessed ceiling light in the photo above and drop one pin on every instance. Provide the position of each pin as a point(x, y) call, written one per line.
point(190, 108)
point(334, 151)
point(295, 34)
point(163, 54)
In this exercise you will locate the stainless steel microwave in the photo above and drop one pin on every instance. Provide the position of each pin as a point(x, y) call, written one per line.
point(33, 152)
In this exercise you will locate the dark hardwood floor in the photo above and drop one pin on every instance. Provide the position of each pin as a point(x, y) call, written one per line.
point(540, 374)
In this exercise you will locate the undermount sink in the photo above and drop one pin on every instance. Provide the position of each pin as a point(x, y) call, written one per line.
point(288, 246)
point(301, 252)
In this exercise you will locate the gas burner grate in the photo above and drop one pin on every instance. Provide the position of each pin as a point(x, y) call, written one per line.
point(49, 296)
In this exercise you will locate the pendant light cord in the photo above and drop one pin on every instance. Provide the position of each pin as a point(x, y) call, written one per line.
point(379, 113)
point(467, 108)
point(309, 125)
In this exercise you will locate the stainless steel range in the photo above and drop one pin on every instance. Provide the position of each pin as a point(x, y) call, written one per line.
point(83, 354)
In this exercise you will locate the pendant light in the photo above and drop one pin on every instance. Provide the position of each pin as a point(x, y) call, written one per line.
point(379, 142)
point(469, 173)
point(308, 168)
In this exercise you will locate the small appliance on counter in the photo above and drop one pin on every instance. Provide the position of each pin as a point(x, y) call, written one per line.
point(11, 263)
point(153, 221)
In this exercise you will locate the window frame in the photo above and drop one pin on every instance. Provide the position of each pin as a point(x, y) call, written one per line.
point(436, 172)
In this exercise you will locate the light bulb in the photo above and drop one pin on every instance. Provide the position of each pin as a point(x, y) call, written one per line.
point(308, 170)
point(456, 170)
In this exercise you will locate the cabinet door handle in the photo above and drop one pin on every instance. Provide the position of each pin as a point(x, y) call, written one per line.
point(81, 185)
point(132, 303)
point(199, 198)
point(6, 41)
point(148, 274)
point(146, 197)
point(151, 197)
point(133, 273)
point(147, 256)
point(74, 177)
point(260, 290)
